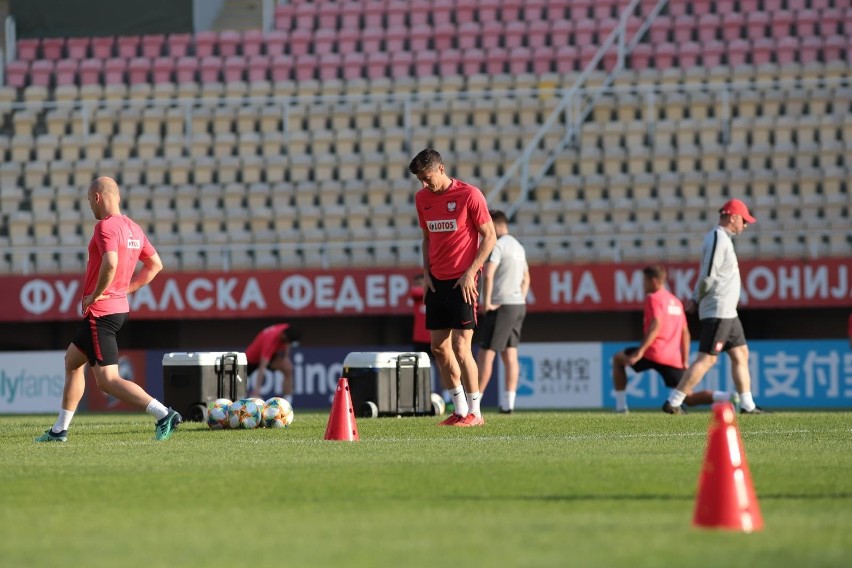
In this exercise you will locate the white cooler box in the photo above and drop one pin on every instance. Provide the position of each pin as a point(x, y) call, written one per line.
point(388, 383)
point(192, 380)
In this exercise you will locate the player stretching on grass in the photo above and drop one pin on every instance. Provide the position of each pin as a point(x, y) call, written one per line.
point(458, 236)
point(117, 244)
point(665, 346)
point(716, 295)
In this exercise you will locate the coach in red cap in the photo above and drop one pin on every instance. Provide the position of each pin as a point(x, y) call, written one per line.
point(716, 295)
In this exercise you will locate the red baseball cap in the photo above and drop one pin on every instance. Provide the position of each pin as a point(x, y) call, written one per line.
point(737, 207)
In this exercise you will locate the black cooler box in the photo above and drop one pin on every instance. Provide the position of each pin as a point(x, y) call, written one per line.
point(192, 380)
point(389, 383)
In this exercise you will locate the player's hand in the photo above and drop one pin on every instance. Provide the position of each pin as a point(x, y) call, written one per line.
point(691, 307)
point(88, 300)
point(468, 285)
point(427, 282)
point(633, 359)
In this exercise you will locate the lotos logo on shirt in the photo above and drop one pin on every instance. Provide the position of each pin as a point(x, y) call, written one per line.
point(134, 244)
point(442, 226)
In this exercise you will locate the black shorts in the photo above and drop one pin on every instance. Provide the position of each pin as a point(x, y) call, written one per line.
point(671, 375)
point(718, 335)
point(446, 308)
point(96, 339)
point(501, 328)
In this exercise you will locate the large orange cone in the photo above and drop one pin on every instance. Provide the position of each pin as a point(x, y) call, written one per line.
point(726, 497)
point(341, 421)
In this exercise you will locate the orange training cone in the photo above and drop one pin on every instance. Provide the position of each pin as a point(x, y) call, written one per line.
point(341, 421)
point(726, 497)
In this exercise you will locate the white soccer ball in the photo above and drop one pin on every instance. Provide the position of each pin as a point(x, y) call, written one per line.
point(277, 413)
point(245, 413)
point(217, 414)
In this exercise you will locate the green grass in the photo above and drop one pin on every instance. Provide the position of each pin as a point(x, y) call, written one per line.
point(532, 489)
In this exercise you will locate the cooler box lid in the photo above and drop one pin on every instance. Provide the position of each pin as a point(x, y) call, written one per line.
point(202, 358)
point(380, 359)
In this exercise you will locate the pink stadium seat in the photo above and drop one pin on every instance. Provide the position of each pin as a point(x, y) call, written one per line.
point(90, 71)
point(395, 40)
point(347, 40)
point(835, 47)
point(424, 63)
point(377, 65)
point(16, 73)
point(102, 47)
point(733, 24)
point(114, 69)
point(786, 49)
point(234, 69)
point(138, 69)
point(641, 57)
point(604, 27)
point(185, 69)
point(810, 49)
point(350, 16)
point(762, 51)
point(178, 45)
point(418, 14)
point(442, 14)
point(491, 34)
point(781, 23)
point(567, 57)
point(257, 68)
point(449, 62)
point(327, 15)
point(660, 29)
point(284, 16)
point(419, 38)
point(831, 22)
point(373, 14)
point(355, 61)
point(583, 32)
point(329, 66)
point(162, 69)
point(228, 42)
point(702, 6)
point(514, 34)
point(520, 59)
point(323, 41)
point(305, 67)
point(487, 10)
point(712, 53)
point(468, 35)
point(152, 45)
point(757, 25)
point(684, 29)
point(401, 64)
point(300, 42)
point(806, 23)
point(560, 32)
point(51, 47)
point(679, 8)
point(77, 47)
point(128, 46)
point(725, 6)
point(305, 15)
point(708, 27)
point(738, 52)
point(749, 6)
point(41, 71)
point(252, 43)
point(665, 55)
point(443, 38)
point(543, 57)
point(205, 43)
point(465, 12)
point(603, 9)
point(28, 49)
point(496, 61)
point(276, 42)
point(472, 61)
point(587, 53)
point(210, 68)
point(537, 34)
point(688, 54)
point(281, 67)
point(371, 39)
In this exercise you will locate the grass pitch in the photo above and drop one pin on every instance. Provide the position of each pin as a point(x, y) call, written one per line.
point(532, 489)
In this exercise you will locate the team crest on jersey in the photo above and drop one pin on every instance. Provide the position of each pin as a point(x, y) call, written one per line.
point(134, 244)
point(451, 206)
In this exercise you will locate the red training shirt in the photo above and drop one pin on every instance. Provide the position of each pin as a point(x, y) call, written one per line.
point(121, 234)
point(419, 333)
point(666, 348)
point(453, 219)
point(266, 344)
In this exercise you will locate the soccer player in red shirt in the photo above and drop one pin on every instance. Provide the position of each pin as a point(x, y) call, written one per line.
point(665, 347)
point(270, 349)
point(458, 236)
point(116, 246)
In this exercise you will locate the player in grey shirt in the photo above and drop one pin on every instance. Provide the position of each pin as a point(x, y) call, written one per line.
point(502, 306)
point(717, 292)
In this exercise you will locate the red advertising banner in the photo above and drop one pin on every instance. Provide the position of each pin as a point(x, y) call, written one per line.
point(555, 288)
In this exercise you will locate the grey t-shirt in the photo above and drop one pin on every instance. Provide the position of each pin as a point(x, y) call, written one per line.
point(511, 260)
point(717, 290)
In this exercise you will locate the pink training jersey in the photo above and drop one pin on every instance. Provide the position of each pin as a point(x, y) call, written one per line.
point(121, 234)
point(666, 348)
point(452, 219)
point(266, 344)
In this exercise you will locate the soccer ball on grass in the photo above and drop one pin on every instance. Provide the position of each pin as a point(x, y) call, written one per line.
point(277, 413)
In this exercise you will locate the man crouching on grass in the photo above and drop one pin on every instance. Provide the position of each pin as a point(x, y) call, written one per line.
point(116, 246)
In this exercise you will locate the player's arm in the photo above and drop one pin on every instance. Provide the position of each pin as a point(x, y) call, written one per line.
point(488, 238)
point(427, 268)
point(485, 304)
point(525, 283)
point(650, 336)
point(106, 274)
point(684, 345)
point(151, 266)
point(711, 258)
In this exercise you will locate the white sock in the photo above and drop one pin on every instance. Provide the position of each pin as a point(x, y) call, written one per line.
point(156, 409)
point(459, 401)
point(676, 398)
point(746, 401)
point(722, 396)
point(510, 400)
point(621, 400)
point(289, 398)
point(63, 421)
point(473, 402)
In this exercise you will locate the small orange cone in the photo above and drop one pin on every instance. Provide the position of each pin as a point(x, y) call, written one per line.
point(341, 421)
point(726, 497)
